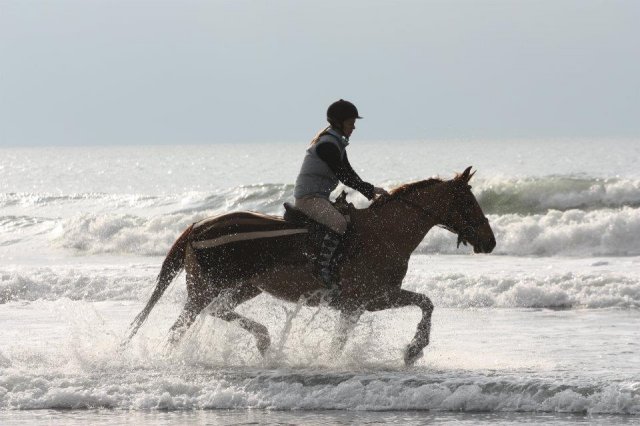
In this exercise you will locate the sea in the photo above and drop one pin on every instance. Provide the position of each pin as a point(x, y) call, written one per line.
point(544, 330)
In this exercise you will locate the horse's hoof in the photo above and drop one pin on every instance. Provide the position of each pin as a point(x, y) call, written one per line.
point(412, 354)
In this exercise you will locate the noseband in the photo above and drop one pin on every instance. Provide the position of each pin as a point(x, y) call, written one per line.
point(463, 234)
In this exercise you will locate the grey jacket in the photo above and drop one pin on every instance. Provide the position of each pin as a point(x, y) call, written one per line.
point(316, 177)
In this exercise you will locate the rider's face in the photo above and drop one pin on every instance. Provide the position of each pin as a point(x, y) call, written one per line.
point(348, 126)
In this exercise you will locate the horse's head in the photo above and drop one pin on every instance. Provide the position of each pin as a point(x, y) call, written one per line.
point(465, 217)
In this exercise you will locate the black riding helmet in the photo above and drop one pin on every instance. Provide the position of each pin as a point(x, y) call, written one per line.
point(341, 110)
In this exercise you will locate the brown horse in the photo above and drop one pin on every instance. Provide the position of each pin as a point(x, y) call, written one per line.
point(234, 257)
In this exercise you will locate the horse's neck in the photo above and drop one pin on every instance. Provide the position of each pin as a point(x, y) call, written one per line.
point(401, 224)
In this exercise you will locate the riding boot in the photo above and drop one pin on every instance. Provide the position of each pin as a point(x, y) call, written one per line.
point(326, 261)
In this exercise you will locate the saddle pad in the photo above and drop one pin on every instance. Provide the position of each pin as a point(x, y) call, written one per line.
point(241, 226)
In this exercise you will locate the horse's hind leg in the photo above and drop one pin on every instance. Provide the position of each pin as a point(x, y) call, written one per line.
point(199, 295)
point(185, 320)
point(225, 312)
point(259, 331)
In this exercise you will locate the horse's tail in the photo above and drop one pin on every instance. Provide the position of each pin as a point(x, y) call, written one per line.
point(171, 267)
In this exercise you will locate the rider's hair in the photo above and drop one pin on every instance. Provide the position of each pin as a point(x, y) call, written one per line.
point(317, 137)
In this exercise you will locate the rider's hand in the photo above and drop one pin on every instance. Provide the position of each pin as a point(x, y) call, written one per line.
point(380, 191)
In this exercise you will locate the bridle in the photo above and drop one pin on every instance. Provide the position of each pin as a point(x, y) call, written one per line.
point(463, 233)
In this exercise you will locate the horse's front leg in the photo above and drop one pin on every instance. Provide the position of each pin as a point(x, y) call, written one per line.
point(346, 324)
point(403, 298)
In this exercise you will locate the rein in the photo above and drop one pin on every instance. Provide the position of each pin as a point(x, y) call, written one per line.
point(461, 233)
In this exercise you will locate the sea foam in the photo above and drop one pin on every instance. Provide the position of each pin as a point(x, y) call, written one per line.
point(607, 232)
point(591, 290)
point(305, 390)
point(543, 216)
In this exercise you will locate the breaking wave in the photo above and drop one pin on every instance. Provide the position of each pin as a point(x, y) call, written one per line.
point(609, 232)
point(497, 195)
point(538, 195)
point(530, 217)
point(564, 290)
point(308, 390)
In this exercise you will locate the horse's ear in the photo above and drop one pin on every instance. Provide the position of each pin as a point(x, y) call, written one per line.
point(467, 175)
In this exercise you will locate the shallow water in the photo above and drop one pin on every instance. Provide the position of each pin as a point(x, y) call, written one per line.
point(65, 354)
point(251, 417)
point(543, 331)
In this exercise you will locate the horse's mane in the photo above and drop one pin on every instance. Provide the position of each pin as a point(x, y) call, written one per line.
point(406, 189)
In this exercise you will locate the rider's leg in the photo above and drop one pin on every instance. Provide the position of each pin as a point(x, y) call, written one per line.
point(322, 211)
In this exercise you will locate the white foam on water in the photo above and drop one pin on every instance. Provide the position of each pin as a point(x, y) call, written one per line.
point(126, 224)
point(357, 392)
point(570, 233)
point(555, 233)
point(502, 195)
point(95, 283)
point(74, 362)
point(456, 281)
point(563, 290)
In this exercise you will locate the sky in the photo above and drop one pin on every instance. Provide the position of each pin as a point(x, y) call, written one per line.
point(110, 72)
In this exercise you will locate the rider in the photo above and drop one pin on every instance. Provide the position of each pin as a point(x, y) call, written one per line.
point(324, 165)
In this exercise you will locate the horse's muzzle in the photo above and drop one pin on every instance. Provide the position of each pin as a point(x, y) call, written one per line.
point(485, 245)
point(484, 240)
